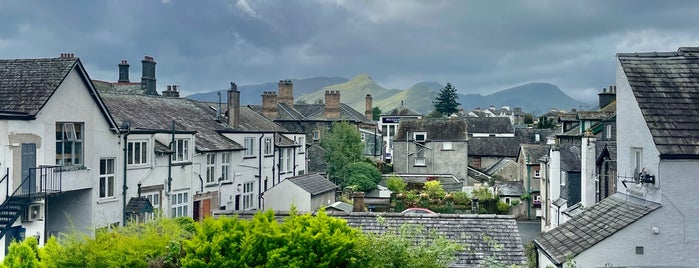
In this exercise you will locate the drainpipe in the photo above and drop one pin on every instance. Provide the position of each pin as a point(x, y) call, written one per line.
point(125, 126)
point(259, 171)
point(529, 188)
point(169, 159)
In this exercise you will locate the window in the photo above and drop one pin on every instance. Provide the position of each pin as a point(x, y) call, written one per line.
point(210, 168)
point(302, 141)
point(107, 178)
point(225, 166)
point(154, 199)
point(608, 132)
point(420, 161)
point(181, 150)
point(137, 152)
point(537, 174)
point(247, 195)
point(420, 136)
point(180, 203)
point(249, 146)
point(508, 201)
point(316, 134)
point(268, 146)
point(447, 145)
point(363, 136)
point(69, 144)
point(282, 162)
point(289, 153)
point(537, 137)
point(636, 161)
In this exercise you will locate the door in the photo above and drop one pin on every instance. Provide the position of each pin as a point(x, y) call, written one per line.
point(237, 202)
point(28, 165)
point(195, 211)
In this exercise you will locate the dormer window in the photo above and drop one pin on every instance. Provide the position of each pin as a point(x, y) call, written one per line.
point(420, 136)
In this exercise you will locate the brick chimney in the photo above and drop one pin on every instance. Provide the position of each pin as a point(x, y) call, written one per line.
point(607, 96)
point(123, 72)
point(172, 91)
point(233, 106)
point(286, 92)
point(368, 111)
point(67, 55)
point(332, 104)
point(269, 105)
point(148, 76)
point(358, 202)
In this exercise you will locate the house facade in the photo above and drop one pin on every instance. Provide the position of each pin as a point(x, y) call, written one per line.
point(308, 193)
point(388, 124)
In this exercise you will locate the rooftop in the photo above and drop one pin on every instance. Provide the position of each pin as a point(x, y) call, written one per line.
point(313, 183)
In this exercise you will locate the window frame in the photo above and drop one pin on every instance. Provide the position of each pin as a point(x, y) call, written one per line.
point(71, 134)
point(268, 146)
point(180, 205)
point(316, 134)
point(608, 131)
point(142, 153)
point(225, 166)
point(447, 146)
point(180, 150)
point(248, 189)
point(107, 180)
point(210, 168)
point(249, 147)
point(420, 162)
point(537, 173)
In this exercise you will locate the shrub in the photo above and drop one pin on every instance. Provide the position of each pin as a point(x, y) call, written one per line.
point(362, 174)
point(434, 190)
point(396, 184)
point(461, 198)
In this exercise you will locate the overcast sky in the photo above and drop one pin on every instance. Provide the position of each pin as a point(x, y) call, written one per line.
point(478, 46)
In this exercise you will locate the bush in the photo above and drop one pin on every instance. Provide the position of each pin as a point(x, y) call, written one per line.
point(361, 174)
point(502, 207)
point(396, 184)
point(434, 190)
point(461, 198)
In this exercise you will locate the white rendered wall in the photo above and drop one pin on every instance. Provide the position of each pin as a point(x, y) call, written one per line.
point(283, 195)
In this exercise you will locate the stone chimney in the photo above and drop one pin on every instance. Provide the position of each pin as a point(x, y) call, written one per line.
point(286, 92)
point(148, 76)
point(368, 111)
point(172, 91)
point(123, 72)
point(233, 106)
point(358, 202)
point(269, 105)
point(607, 96)
point(332, 104)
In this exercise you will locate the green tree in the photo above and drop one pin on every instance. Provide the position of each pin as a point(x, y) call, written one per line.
point(23, 254)
point(445, 102)
point(434, 189)
point(528, 119)
point(343, 145)
point(545, 122)
point(363, 175)
point(396, 184)
point(375, 113)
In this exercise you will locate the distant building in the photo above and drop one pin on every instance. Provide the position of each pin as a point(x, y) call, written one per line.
point(389, 122)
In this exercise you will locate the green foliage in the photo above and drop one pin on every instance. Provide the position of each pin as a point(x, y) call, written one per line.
point(502, 207)
point(445, 102)
point(461, 198)
point(363, 175)
point(545, 122)
point(23, 254)
point(515, 202)
point(375, 113)
point(407, 246)
point(530, 252)
point(483, 194)
point(434, 189)
point(434, 114)
point(528, 119)
point(526, 196)
point(396, 184)
point(343, 145)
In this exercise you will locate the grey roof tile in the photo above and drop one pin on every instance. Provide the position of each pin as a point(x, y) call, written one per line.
point(666, 87)
point(402, 111)
point(494, 146)
point(313, 183)
point(593, 225)
point(509, 188)
point(489, 125)
point(437, 129)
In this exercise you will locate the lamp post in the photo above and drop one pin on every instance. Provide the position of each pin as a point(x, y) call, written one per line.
point(126, 129)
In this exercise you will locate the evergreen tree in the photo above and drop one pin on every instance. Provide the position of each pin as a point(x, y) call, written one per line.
point(343, 145)
point(445, 103)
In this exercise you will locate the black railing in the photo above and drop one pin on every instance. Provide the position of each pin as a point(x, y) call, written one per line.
point(7, 184)
point(40, 180)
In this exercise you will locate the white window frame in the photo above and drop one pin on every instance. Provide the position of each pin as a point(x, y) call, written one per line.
point(420, 161)
point(107, 178)
point(69, 143)
point(302, 142)
point(154, 198)
point(248, 195)
point(249, 147)
point(608, 131)
point(537, 173)
point(268, 146)
point(210, 168)
point(180, 150)
point(282, 163)
point(288, 159)
point(316, 134)
point(137, 157)
point(225, 166)
point(636, 160)
point(180, 205)
point(447, 146)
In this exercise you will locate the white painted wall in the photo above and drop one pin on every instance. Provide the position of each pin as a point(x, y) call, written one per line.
point(587, 171)
point(286, 193)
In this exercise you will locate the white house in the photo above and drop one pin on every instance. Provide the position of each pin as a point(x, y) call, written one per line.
point(52, 146)
point(307, 192)
point(650, 220)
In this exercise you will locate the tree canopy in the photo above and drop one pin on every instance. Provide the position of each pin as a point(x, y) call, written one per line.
point(343, 145)
point(445, 103)
point(375, 113)
point(545, 122)
point(362, 175)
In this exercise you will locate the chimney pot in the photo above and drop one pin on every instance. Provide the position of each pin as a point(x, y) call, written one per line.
point(233, 106)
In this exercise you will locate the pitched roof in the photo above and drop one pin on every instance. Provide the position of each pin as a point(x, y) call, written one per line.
point(483, 237)
point(402, 111)
point(436, 128)
point(489, 125)
point(567, 117)
point(570, 157)
point(528, 135)
point(591, 115)
point(494, 146)
point(313, 183)
point(666, 87)
point(27, 84)
point(313, 112)
point(138, 205)
point(509, 188)
point(340, 206)
point(593, 225)
point(156, 113)
point(534, 152)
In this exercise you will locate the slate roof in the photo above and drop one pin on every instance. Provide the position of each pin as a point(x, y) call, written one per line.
point(534, 152)
point(509, 188)
point(591, 115)
point(249, 120)
point(482, 236)
point(528, 135)
point(313, 183)
point(609, 146)
point(119, 87)
point(313, 112)
point(666, 87)
point(593, 225)
point(436, 128)
point(489, 125)
point(567, 117)
point(138, 205)
point(339, 206)
point(570, 157)
point(494, 146)
point(156, 113)
point(402, 111)
point(27, 84)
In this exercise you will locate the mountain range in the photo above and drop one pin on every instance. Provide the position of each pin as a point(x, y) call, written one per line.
point(536, 98)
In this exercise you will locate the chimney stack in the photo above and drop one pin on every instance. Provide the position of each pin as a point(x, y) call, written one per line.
point(123, 72)
point(368, 112)
point(332, 104)
point(67, 55)
point(172, 91)
point(269, 105)
point(358, 202)
point(233, 106)
point(607, 96)
point(148, 77)
point(286, 92)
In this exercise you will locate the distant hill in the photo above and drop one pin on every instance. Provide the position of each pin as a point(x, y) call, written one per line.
point(536, 98)
point(251, 94)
